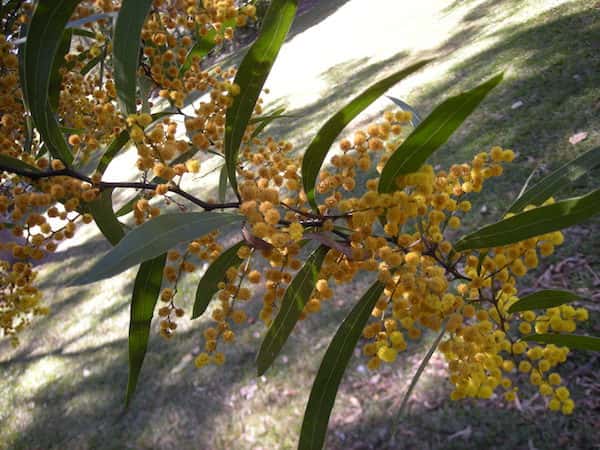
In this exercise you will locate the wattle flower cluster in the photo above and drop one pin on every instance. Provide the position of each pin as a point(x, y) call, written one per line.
point(403, 238)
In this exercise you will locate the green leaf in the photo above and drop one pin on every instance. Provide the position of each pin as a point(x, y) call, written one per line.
point(154, 238)
point(104, 216)
point(126, 50)
point(557, 180)
point(416, 118)
point(319, 147)
point(548, 298)
point(69, 130)
point(223, 183)
point(120, 141)
point(526, 184)
point(111, 151)
point(251, 76)
point(145, 291)
point(329, 376)
point(127, 207)
point(42, 151)
point(568, 340)
point(10, 162)
point(70, 65)
point(204, 45)
point(535, 222)
point(59, 62)
point(44, 39)
point(145, 86)
point(91, 64)
point(292, 305)
point(432, 133)
point(264, 121)
point(21, 55)
point(413, 382)
point(28, 144)
point(145, 295)
point(207, 287)
point(83, 32)
point(277, 114)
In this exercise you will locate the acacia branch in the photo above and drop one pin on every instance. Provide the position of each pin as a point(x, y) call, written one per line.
point(35, 175)
point(431, 251)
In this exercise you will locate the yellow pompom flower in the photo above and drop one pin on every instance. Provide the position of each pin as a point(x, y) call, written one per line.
point(202, 360)
point(387, 354)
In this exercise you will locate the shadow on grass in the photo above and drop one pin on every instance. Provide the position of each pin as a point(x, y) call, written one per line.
point(176, 406)
point(551, 72)
point(551, 91)
point(311, 13)
point(466, 424)
point(86, 410)
point(480, 10)
point(346, 80)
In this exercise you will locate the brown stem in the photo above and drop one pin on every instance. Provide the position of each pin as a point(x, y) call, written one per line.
point(34, 175)
point(431, 251)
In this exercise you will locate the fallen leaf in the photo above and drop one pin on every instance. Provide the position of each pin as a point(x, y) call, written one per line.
point(465, 434)
point(578, 137)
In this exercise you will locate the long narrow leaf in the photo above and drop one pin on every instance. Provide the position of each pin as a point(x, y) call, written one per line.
point(10, 162)
point(223, 180)
point(568, 340)
point(416, 117)
point(55, 75)
point(126, 49)
point(526, 184)
point(557, 180)
point(77, 23)
point(111, 151)
point(278, 113)
point(154, 238)
point(432, 133)
point(535, 222)
point(44, 38)
point(329, 376)
point(91, 64)
point(102, 208)
point(145, 295)
point(548, 298)
point(102, 211)
point(251, 76)
point(207, 287)
point(292, 304)
point(264, 121)
point(21, 55)
point(413, 382)
point(82, 32)
point(120, 141)
point(321, 144)
point(204, 45)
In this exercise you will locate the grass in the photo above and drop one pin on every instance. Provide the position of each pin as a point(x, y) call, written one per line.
point(64, 386)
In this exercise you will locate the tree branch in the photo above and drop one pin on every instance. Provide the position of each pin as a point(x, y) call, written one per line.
point(34, 175)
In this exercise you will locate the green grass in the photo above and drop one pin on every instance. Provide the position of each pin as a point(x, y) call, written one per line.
point(63, 388)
